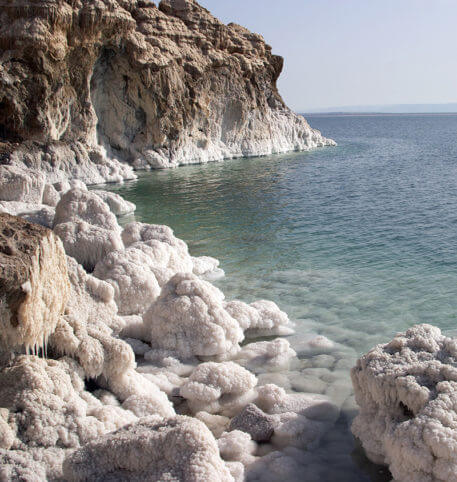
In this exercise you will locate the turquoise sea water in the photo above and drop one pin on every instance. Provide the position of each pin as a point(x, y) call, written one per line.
point(355, 242)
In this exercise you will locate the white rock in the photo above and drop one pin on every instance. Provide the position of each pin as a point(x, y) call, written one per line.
point(22, 185)
point(237, 446)
point(265, 356)
point(222, 388)
point(118, 205)
point(261, 318)
point(87, 227)
point(407, 393)
point(50, 195)
point(189, 317)
point(179, 448)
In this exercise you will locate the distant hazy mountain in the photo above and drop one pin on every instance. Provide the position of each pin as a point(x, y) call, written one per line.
point(390, 109)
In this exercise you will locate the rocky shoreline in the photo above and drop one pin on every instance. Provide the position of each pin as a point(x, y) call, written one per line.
point(119, 360)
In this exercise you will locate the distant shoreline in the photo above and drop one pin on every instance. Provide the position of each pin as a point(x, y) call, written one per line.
point(375, 114)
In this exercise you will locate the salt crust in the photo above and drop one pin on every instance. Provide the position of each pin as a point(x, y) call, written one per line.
point(180, 448)
point(407, 393)
point(146, 288)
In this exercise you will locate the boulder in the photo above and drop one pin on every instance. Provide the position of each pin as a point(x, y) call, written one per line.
point(407, 393)
point(34, 284)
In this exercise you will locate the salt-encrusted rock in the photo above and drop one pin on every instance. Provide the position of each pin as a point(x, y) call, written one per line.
point(204, 265)
point(266, 355)
point(34, 213)
point(407, 393)
point(274, 400)
point(179, 259)
point(255, 422)
point(218, 424)
point(118, 205)
point(237, 446)
point(51, 197)
point(261, 318)
point(48, 406)
point(17, 184)
point(221, 388)
point(163, 86)
point(87, 227)
point(189, 317)
point(34, 285)
point(132, 276)
point(179, 448)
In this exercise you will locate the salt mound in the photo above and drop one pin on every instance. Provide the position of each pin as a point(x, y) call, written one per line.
point(179, 448)
point(48, 406)
point(189, 317)
point(261, 318)
point(118, 205)
point(222, 388)
point(87, 227)
point(407, 393)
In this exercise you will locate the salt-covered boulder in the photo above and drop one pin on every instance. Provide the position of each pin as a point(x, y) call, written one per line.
point(261, 318)
point(51, 196)
point(132, 276)
point(87, 227)
point(24, 185)
point(118, 205)
point(265, 356)
point(237, 446)
point(34, 213)
point(189, 317)
point(407, 393)
point(258, 424)
point(222, 388)
point(206, 266)
point(48, 406)
point(179, 448)
point(34, 285)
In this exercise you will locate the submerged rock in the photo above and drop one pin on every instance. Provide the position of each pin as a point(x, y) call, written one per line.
point(34, 285)
point(407, 393)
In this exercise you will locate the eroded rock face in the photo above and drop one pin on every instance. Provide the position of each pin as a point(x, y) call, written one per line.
point(97, 82)
point(34, 285)
point(407, 392)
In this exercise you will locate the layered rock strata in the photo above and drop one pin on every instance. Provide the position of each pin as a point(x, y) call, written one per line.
point(85, 84)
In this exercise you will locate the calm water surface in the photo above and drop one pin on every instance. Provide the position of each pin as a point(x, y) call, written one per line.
point(355, 242)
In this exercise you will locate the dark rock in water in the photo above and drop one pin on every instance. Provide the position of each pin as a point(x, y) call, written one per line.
point(34, 285)
point(255, 422)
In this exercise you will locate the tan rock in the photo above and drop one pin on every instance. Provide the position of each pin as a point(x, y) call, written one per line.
point(34, 284)
point(156, 87)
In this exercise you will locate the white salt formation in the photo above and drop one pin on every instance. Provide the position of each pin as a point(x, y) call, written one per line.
point(407, 393)
point(179, 448)
point(87, 227)
point(221, 388)
point(189, 317)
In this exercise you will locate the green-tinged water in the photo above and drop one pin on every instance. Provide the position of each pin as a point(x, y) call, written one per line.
point(355, 242)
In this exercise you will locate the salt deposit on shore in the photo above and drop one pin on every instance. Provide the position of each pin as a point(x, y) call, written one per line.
point(143, 338)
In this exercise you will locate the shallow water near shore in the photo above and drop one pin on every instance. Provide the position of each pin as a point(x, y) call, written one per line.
point(355, 243)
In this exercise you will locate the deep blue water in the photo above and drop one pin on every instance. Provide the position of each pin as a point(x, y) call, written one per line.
point(356, 242)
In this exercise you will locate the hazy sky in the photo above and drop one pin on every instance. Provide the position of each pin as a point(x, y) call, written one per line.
point(356, 52)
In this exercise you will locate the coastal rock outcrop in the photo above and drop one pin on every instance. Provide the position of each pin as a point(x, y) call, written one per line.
point(407, 393)
point(85, 85)
point(34, 285)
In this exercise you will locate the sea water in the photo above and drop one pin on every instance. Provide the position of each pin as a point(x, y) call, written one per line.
point(355, 242)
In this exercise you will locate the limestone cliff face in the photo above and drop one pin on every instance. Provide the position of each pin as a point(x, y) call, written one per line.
point(85, 84)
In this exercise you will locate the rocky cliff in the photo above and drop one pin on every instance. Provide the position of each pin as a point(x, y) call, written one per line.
point(86, 84)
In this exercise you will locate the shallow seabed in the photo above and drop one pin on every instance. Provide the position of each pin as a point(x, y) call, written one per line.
point(356, 243)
